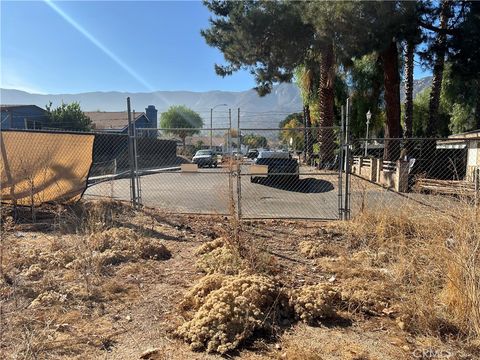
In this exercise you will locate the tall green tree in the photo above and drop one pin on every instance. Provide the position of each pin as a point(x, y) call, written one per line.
point(67, 117)
point(255, 141)
point(181, 121)
point(440, 49)
point(413, 37)
point(388, 24)
point(268, 38)
point(292, 130)
point(366, 83)
point(421, 115)
point(308, 79)
point(465, 60)
point(272, 39)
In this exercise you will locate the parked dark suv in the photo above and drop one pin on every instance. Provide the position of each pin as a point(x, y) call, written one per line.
point(280, 166)
point(205, 158)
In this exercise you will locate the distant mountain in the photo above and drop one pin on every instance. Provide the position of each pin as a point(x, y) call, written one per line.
point(256, 111)
point(284, 99)
point(418, 86)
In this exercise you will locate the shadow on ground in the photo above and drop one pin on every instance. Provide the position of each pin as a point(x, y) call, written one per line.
point(306, 186)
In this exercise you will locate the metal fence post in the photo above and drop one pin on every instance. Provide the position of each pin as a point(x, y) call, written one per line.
point(476, 178)
point(230, 160)
point(340, 166)
point(131, 156)
point(137, 177)
point(347, 162)
point(239, 170)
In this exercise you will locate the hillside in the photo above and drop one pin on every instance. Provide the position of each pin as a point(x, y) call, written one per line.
point(284, 99)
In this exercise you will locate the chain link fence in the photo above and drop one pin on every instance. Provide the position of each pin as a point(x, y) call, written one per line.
point(289, 172)
point(439, 174)
point(256, 173)
point(304, 173)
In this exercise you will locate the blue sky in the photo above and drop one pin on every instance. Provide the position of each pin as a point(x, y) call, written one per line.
point(79, 46)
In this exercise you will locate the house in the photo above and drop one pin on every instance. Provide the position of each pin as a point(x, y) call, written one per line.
point(22, 117)
point(470, 141)
point(117, 122)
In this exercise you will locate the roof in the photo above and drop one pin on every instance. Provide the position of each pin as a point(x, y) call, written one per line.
point(10, 107)
point(105, 120)
point(467, 135)
point(458, 141)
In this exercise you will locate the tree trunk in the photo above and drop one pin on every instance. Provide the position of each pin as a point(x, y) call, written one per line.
point(308, 144)
point(408, 124)
point(428, 151)
point(326, 95)
point(440, 46)
point(391, 151)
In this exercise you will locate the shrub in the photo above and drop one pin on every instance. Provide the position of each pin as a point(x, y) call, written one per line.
point(220, 260)
point(210, 246)
point(315, 302)
point(196, 295)
point(313, 249)
point(231, 313)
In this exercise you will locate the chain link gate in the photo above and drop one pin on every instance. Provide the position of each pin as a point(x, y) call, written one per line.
point(274, 180)
point(278, 178)
point(291, 172)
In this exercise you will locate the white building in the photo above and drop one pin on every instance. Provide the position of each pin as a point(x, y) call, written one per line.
point(471, 141)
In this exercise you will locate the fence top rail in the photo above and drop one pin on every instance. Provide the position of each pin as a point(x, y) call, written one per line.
point(283, 129)
point(186, 129)
point(420, 139)
point(55, 131)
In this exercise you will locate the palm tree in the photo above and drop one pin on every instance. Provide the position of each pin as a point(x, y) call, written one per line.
point(408, 121)
point(440, 47)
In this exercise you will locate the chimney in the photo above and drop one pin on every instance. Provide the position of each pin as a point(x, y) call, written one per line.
point(151, 113)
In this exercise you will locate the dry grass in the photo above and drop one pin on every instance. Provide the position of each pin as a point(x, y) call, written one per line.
point(403, 279)
point(53, 285)
point(435, 263)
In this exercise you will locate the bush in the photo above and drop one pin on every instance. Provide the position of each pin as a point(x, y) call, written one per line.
point(220, 260)
point(315, 302)
point(231, 313)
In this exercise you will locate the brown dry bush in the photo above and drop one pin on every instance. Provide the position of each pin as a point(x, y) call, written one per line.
point(195, 296)
point(366, 296)
point(220, 260)
point(435, 262)
point(314, 303)
point(210, 246)
point(314, 249)
point(231, 313)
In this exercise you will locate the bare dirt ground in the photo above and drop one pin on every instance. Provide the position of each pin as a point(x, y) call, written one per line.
point(67, 291)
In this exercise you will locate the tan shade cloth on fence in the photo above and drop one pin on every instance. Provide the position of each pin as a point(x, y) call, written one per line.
point(43, 167)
